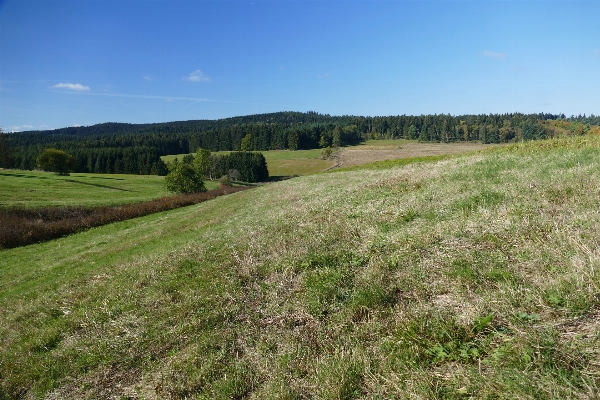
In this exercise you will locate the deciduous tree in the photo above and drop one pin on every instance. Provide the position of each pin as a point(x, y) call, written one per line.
point(203, 162)
point(246, 143)
point(183, 178)
point(56, 161)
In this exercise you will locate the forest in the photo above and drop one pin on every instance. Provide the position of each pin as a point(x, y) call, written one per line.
point(136, 148)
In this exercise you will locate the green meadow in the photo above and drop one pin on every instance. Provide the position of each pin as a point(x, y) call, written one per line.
point(35, 188)
point(472, 276)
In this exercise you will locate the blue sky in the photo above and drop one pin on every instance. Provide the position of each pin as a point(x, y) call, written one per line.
point(67, 63)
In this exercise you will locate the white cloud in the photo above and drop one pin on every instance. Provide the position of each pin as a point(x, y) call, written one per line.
point(147, 77)
point(26, 127)
point(495, 55)
point(171, 98)
point(72, 86)
point(197, 76)
point(19, 128)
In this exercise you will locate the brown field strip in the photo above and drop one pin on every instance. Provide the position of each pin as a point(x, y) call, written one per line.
point(359, 155)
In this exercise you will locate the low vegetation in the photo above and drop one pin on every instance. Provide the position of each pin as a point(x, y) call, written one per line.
point(474, 276)
point(23, 226)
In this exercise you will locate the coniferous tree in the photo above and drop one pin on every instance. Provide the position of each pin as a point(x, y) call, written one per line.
point(6, 158)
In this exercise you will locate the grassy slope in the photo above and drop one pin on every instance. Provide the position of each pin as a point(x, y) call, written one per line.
point(474, 275)
point(34, 188)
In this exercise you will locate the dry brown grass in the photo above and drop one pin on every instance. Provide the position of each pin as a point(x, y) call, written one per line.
point(359, 155)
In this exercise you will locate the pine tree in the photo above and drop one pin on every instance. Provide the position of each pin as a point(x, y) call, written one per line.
point(6, 158)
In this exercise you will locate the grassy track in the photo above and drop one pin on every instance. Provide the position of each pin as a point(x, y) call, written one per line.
point(34, 189)
point(473, 276)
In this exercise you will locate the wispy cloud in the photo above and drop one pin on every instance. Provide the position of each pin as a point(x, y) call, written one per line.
point(72, 86)
point(197, 76)
point(174, 98)
point(147, 77)
point(19, 128)
point(597, 53)
point(143, 96)
point(494, 55)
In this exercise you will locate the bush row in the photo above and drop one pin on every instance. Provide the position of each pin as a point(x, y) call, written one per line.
point(23, 226)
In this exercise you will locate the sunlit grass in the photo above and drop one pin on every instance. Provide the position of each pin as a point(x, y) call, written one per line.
point(35, 188)
point(469, 277)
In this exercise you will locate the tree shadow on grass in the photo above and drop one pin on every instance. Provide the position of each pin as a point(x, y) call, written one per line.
point(98, 185)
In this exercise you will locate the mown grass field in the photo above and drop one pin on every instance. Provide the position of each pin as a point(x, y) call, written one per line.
point(389, 150)
point(35, 189)
point(469, 277)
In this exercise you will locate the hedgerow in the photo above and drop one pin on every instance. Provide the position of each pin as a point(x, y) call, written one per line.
point(21, 226)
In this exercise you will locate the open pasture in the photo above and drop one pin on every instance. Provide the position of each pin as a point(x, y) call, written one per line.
point(471, 277)
point(36, 188)
point(382, 150)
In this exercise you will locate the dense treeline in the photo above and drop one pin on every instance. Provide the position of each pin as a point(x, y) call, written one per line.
point(136, 148)
point(240, 166)
point(243, 166)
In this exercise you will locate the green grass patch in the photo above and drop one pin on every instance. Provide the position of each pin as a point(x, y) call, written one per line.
point(35, 189)
point(387, 164)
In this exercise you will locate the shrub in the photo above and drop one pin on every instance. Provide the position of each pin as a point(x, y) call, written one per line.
point(225, 181)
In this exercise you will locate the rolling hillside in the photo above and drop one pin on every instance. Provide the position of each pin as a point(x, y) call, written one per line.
point(472, 276)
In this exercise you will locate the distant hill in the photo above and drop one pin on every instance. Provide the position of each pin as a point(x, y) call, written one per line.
point(136, 148)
